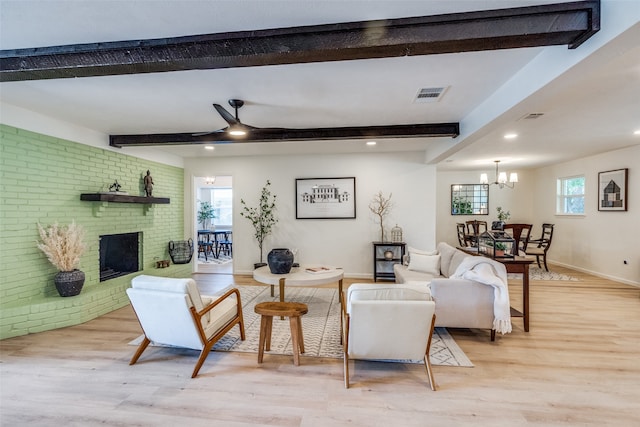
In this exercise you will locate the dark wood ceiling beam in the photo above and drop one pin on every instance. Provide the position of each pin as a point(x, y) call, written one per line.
point(274, 135)
point(544, 25)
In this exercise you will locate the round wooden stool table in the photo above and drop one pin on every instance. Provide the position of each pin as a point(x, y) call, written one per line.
point(292, 310)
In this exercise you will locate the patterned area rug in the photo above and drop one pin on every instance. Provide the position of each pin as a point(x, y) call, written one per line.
point(320, 326)
point(536, 273)
point(222, 259)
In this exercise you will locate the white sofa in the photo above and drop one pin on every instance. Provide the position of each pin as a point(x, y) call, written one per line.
point(460, 303)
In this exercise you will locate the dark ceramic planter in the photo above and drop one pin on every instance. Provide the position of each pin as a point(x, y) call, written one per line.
point(69, 283)
point(280, 261)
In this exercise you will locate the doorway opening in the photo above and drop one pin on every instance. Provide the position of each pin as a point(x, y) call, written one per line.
point(214, 224)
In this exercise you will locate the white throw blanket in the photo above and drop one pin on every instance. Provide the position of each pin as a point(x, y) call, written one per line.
point(492, 273)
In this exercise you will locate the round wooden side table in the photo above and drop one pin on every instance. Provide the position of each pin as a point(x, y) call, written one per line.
point(292, 310)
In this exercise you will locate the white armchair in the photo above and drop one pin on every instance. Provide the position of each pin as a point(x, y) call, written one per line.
point(172, 312)
point(387, 322)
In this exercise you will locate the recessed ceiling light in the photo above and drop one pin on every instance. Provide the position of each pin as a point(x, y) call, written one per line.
point(371, 143)
point(510, 135)
point(209, 147)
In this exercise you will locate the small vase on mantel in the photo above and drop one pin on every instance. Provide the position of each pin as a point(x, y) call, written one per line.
point(280, 261)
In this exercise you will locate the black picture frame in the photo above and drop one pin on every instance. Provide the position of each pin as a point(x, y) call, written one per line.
point(326, 198)
point(613, 190)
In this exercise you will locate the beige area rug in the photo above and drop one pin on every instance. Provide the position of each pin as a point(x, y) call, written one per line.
point(320, 326)
point(536, 273)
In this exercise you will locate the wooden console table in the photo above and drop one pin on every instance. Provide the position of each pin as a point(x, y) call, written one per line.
point(520, 265)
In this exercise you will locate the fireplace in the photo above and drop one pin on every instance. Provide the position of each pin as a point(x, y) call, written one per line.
point(119, 254)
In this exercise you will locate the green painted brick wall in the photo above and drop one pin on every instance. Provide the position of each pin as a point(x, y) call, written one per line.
point(41, 179)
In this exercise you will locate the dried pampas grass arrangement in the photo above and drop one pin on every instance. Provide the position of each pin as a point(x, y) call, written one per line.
point(63, 245)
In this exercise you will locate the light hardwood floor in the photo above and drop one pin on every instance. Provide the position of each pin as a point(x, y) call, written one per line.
point(579, 365)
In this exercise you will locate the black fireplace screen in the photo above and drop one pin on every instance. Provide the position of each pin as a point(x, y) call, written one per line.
point(119, 255)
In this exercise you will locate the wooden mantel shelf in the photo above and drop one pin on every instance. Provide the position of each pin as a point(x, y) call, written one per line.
point(123, 198)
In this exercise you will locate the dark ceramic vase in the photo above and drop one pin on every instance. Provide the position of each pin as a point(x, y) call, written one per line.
point(69, 283)
point(280, 261)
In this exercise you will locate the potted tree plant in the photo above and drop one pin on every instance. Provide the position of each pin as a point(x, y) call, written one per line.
point(206, 213)
point(381, 206)
point(262, 218)
point(63, 246)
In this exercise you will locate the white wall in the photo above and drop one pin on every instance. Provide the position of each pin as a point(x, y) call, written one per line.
point(340, 242)
point(518, 201)
point(597, 242)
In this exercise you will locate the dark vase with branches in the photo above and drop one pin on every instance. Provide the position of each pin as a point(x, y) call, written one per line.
point(262, 217)
point(205, 213)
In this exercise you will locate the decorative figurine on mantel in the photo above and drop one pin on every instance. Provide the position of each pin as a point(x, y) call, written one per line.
point(115, 187)
point(148, 184)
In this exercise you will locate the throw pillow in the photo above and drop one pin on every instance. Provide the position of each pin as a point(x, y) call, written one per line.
point(425, 264)
point(411, 250)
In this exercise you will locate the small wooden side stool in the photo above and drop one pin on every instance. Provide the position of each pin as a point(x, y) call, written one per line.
point(292, 310)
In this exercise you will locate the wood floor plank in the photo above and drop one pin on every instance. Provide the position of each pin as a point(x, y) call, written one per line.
point(578, 365)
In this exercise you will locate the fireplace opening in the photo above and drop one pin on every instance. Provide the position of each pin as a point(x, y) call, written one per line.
point(119, 255)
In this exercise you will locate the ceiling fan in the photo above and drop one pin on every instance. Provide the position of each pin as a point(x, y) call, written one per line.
point(236, 127)
point(238, 132)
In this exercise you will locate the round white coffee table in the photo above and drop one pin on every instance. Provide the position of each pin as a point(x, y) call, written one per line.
point(299, 276)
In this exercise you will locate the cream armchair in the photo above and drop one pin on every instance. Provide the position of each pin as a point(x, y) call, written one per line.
point(172, 312)
point(387, 322)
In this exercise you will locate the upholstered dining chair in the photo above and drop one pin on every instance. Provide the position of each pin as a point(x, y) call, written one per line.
point(172, 312)
point(540, 247)
point(387, 322)
point(521, 234)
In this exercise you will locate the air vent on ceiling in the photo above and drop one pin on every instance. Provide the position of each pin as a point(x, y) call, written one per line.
point(430, 94)
point(532, 116)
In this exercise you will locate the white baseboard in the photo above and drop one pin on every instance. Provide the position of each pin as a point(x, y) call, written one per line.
point(596, 273)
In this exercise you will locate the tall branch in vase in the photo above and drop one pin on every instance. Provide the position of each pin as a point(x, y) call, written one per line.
point(381, 206)
point(262, 217)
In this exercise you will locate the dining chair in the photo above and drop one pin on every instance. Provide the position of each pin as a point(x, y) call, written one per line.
point(521, 234)
point(205, 245)
point(541, 245)
point(474, 229)
point(461, 230)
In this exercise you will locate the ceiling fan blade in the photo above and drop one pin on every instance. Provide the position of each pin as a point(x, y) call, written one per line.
point(209, 132)
point(228, 117)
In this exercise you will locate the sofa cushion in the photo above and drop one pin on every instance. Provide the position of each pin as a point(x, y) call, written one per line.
point(456, 259)
point(425, 263)
point(446, 252)
point(407, 258)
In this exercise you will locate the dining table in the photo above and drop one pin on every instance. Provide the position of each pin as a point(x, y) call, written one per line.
point(214, 237)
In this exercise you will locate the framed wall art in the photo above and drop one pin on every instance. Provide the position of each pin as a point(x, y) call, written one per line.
point(470, 199)
point(325, 198)
point(612, 190)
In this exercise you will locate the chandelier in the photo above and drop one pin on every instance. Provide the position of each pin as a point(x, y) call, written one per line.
point(501, 178)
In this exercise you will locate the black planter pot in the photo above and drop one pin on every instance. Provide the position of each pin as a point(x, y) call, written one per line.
point(280, 261)
point(69, 283)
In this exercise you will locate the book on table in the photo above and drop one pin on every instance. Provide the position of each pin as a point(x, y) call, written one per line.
point(318, 270)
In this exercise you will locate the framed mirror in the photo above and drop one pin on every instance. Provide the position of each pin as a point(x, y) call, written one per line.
point(470, 199)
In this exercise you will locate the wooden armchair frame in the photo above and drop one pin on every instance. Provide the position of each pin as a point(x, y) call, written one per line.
point(208, 342)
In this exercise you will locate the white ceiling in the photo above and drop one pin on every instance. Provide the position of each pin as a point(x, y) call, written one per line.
point(590, 96)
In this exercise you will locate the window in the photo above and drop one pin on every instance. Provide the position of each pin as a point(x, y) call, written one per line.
point(570, 199)
point(222, 201)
